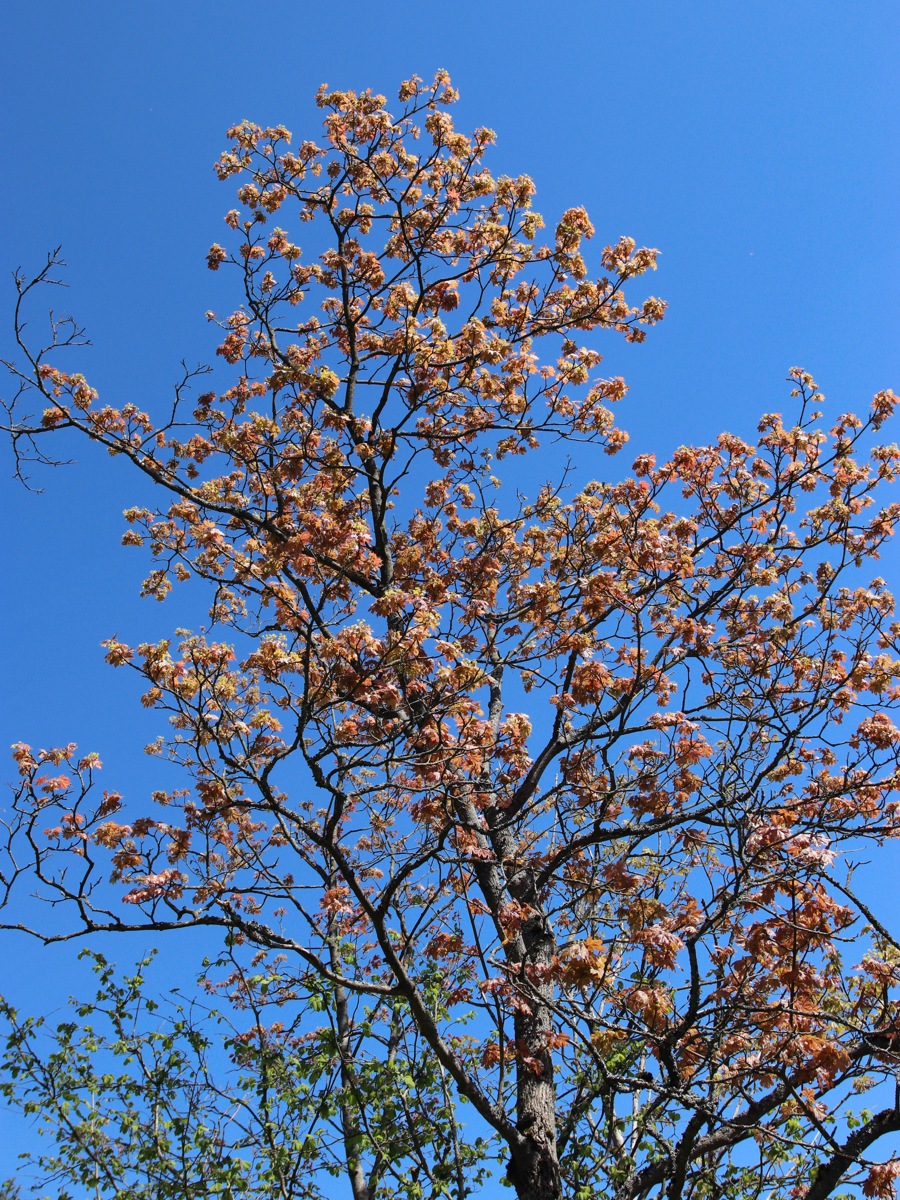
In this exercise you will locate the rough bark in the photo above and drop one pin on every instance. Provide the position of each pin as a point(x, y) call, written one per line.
point(534, 1163)
point(847, 1156)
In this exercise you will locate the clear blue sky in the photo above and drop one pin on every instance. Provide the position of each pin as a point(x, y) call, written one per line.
point(755, 144)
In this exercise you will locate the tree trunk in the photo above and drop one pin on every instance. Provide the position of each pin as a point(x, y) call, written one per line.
point(534, 1172)
point(534, 1164)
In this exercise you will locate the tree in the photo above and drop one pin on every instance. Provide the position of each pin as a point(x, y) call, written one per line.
point(145, 1099)
point(620, 925)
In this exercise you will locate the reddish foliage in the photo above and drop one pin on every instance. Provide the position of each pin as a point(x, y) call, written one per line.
point(633, 884)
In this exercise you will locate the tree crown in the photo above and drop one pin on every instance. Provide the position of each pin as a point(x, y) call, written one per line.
point(613, 922)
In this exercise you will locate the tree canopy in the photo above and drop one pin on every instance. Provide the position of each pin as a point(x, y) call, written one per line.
point(521, 813)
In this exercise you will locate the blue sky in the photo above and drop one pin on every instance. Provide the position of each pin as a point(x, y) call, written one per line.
point(755, 144)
